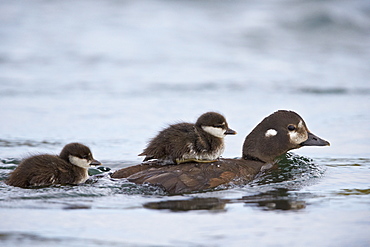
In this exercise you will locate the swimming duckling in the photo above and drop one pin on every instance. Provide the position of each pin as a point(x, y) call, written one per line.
point(185, 142)
point(70, 167)
point(275, 135)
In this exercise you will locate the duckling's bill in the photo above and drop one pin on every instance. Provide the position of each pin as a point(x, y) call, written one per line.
point(95, 163)
point(230, 132)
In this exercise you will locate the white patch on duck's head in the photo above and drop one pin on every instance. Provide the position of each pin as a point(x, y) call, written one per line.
point(271, 132)
point(300, 125)
point(218, 132)
point(298, 135)
point(84, 163)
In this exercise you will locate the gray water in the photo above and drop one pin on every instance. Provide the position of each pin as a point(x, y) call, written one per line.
point(110, 74)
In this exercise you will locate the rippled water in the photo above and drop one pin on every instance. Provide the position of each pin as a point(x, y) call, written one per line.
point(111, 74)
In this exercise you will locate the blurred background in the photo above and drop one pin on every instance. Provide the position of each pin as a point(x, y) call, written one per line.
point(112, 73)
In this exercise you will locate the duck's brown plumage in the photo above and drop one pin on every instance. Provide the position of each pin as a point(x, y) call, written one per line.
point(192, 176)
point(275, 135)
point(45, 169)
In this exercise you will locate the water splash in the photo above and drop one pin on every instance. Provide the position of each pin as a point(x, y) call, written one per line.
point(292, 172)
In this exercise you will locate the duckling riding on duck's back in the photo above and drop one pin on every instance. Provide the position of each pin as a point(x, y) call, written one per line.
point(275, 135)
point(185, 142)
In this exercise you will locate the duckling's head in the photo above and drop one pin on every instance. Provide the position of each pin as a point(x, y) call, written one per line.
point(78, 155)
point(215, 124)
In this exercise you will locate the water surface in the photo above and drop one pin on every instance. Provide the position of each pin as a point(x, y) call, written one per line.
point(111, 74)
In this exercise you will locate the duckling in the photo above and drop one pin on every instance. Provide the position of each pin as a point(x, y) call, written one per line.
point(185, 142)
point(70, 167)
point(273, 136)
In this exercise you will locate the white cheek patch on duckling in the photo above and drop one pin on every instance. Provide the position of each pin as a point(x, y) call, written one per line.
point(84, 163)
point(218, 132)
point(271, 132)
point(296, 137)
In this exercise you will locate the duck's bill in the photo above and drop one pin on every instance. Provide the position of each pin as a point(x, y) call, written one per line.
point(95, 163)
point(230, 132)
point(314, 140)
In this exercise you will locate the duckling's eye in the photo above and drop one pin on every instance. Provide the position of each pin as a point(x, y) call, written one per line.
point(218, 125)
point(84, 156)
point(291, 127)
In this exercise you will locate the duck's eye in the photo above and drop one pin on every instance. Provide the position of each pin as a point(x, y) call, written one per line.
point(291, 127)
point(218, 125)
point(84, 156)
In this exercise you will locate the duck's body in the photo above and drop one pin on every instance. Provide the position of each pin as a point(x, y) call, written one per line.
point(184, 142)
point(275, 135)
point(70, 167)
point(189, 177)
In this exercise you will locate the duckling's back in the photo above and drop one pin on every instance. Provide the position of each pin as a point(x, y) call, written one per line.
point(41, 170)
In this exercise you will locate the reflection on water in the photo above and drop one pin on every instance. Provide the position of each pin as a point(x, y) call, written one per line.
point(347, 162)
point(350, 192)
point(279, 199)
point(190, 204)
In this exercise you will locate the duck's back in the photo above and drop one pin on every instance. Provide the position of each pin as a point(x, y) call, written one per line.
point(190, 177)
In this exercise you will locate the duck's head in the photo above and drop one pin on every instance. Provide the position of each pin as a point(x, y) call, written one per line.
point(278, 133)
point(78, 155)
point(215, 124)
